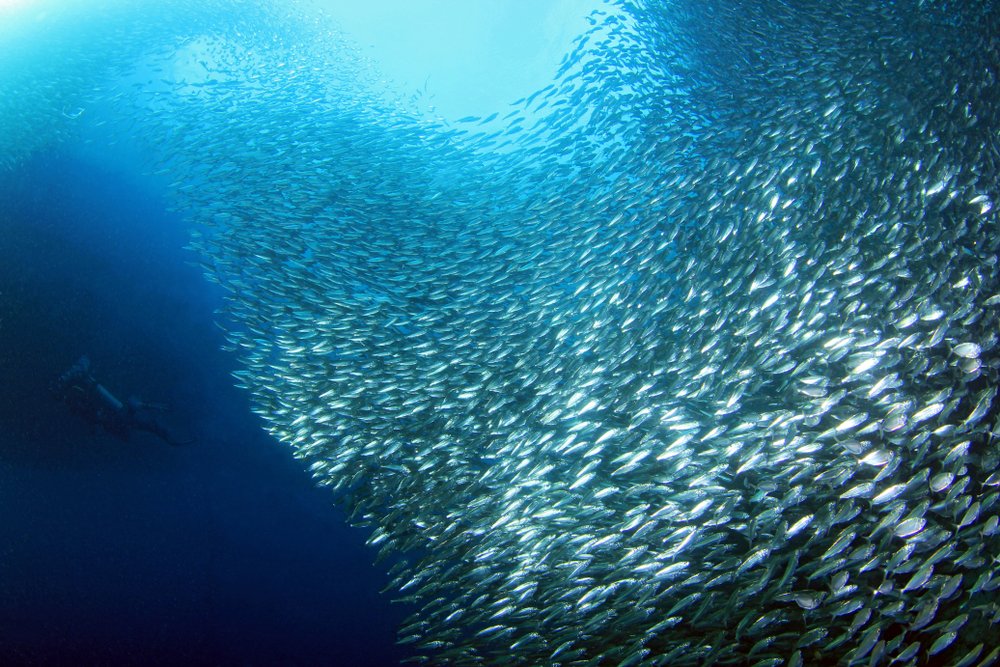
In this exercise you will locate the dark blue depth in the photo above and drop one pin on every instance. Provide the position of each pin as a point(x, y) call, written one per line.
point(112, 552)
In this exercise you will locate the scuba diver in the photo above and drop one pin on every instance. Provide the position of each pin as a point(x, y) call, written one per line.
point(92, 401)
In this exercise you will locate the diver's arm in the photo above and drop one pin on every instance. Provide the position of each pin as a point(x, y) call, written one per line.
point(109, 398)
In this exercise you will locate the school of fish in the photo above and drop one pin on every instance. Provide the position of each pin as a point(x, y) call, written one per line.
point(689, 358)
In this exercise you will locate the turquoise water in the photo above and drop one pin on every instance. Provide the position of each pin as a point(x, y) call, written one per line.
point(627, 333)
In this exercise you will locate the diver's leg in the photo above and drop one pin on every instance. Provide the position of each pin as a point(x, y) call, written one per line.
point(158, 430)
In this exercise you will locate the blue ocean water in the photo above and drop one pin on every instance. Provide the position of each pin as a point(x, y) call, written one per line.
point(687, 356)
point(113, 552)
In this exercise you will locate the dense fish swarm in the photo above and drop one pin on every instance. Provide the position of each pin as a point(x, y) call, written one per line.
point(689, 359)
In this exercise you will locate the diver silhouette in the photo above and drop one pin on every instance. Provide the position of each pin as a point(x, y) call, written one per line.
point(92, 401)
